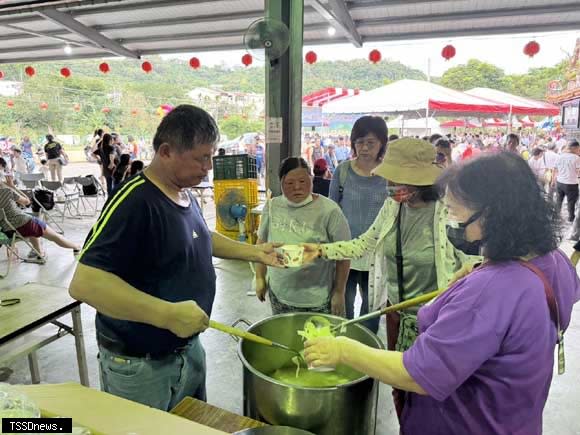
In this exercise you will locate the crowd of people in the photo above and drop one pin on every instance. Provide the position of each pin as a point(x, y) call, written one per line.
point(404, 217)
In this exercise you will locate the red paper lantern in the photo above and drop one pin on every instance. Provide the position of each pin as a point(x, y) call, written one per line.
point(194, 63)
point(77, 107)
point(29, 71)
point(104, 68)
point(147, 67)
point(311, 57)
point(531, 48)
point(105, 110)
point(247, 59)
point(44, 106)
point(10, 103)
point(448, 52)
point(375, 56)
point(134, 112)
point(1, 75)
point(65, 72)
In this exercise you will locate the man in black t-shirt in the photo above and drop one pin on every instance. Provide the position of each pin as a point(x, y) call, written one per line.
point(53, 151)
point(146, 266)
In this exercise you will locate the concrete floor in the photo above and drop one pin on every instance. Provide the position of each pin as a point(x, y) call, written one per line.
point(224, 382)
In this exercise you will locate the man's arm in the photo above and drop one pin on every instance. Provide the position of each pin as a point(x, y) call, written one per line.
point(112, 296)
point(223, 247)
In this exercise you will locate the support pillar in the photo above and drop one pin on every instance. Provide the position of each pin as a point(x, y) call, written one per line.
point(284, 90)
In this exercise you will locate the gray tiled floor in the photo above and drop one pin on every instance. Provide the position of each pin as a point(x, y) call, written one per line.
point(57, 362)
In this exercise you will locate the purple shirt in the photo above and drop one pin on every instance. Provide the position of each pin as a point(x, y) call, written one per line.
point(485, 353)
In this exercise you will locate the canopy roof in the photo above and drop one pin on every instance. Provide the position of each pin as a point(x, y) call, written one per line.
point(37, 30)
point(413, 99)
point(323, 96)
point(463, 123)
point(519, 105)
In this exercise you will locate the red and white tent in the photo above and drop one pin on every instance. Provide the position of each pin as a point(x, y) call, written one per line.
point(495, 122)
point(415, 99)
point(462, 123)
point(321, 97)
point(518, 105)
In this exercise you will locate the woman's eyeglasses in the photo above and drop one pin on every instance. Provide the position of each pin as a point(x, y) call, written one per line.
point(369, 143)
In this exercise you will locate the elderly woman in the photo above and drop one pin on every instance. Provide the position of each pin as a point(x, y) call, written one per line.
point(410, 252)
point(296, 217)
point(484, 358)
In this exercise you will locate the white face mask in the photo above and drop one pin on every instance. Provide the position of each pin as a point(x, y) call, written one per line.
point(302, 203)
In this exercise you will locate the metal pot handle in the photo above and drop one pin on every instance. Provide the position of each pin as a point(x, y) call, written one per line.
point(235, 325)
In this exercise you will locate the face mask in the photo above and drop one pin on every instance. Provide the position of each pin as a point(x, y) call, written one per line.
point(302, 203)
point(456, 236)
point(401, 194)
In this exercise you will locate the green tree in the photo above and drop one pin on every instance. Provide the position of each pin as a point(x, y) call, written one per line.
point(475, 74)
point(236, 125)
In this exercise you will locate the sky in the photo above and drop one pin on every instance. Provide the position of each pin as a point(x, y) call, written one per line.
point(505, 51)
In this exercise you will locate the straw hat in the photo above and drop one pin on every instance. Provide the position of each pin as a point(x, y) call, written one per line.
point(409, 161)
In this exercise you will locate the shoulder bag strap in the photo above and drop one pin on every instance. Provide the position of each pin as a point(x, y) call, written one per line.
point(554, 312)
point(342, 175)
point(399, 255)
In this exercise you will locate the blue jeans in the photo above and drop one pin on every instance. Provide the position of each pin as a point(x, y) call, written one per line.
point(159, 383)
point(360, 278)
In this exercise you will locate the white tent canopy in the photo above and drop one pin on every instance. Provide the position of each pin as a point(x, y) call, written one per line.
point(412, 127)
point(415, 99)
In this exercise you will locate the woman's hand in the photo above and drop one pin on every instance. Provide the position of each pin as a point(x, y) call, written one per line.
point(312, 251)
point(337, 303)
point(326, 351)
point(261, 289)
point(267, 254)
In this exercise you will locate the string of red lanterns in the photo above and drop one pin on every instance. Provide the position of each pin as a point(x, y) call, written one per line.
point(310, 57)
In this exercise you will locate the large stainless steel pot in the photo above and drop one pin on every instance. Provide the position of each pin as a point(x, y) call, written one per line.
point(348, 409)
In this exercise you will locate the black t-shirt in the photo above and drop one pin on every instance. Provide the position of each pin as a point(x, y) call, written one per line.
point(156, 246)
point(104, 153)
point(52, 150)
point(321, 186)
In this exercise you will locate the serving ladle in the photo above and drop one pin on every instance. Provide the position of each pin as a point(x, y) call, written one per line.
point(252, 337)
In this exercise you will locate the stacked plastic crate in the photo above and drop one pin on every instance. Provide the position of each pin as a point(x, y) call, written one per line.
point(236, 172)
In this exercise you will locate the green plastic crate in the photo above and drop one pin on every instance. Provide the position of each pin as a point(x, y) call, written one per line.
point(234, 167)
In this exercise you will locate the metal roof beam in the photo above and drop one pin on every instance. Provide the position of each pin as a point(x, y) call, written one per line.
point(480, 31)
point(480, 14)
point(36, 6)
point(74, 26)
point(160, 38)
point(32, 34)
point(337, 15)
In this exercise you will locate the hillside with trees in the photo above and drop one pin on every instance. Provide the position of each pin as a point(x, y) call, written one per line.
point(130, 97)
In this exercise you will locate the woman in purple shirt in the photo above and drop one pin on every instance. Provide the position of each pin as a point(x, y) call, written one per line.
point(484, 358)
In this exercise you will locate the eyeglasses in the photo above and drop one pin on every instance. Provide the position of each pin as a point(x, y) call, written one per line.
point(370, 143)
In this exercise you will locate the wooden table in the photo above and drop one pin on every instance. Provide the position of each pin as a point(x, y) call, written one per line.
point(217, 418)
point(105, 414)
point(40, 305)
